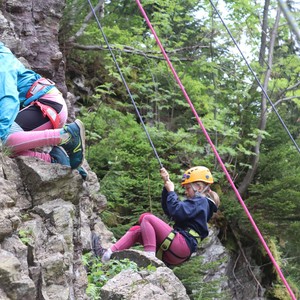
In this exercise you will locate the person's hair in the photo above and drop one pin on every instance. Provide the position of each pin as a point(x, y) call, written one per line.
point(210, 193)
point(215, 197)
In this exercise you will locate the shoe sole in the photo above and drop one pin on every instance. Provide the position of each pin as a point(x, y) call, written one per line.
point(82, 136)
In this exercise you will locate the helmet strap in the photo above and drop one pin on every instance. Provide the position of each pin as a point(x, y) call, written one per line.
point(202, 193)
point(193, 187)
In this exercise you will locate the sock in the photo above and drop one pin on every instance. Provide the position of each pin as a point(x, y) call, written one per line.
point(150, 253)
point(65, 136)
point(106, 256)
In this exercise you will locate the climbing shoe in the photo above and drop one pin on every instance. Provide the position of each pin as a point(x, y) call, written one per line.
point(75, 144)
point(83, 172)
point(96, 245)
point(59, 156)
point(106, 255)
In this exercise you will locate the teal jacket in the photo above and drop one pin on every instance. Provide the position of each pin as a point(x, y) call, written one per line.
point(15, 81)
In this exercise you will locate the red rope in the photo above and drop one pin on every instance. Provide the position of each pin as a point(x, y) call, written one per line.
point(216, 152)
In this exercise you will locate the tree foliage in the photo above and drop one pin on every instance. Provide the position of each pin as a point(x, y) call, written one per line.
point(223, 92)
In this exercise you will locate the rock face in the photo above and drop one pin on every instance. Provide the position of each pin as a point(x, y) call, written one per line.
point(30, 29)
point(15, 283)
point(159, 284)
point(41, 232)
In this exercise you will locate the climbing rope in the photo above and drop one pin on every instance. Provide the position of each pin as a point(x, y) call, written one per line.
point(216, 152)
point(256, 78)
point(126, 85)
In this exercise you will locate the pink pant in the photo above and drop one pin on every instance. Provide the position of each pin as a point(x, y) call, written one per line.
point(41, 132)
point(151, 232)
point(20, 142)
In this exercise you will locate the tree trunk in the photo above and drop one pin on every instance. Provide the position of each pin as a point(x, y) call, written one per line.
point(263, 117)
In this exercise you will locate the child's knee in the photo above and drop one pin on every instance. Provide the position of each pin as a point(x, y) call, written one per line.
point(142, 216)
point(134, 228)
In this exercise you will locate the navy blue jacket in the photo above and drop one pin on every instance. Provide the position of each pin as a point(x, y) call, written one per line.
point(188, 214)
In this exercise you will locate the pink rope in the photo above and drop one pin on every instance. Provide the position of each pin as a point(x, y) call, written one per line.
point(216, 152)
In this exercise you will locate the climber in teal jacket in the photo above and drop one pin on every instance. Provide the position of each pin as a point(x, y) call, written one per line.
point(15, 81)
point(33, 115)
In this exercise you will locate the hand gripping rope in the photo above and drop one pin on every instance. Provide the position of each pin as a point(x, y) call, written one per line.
point(216, 152)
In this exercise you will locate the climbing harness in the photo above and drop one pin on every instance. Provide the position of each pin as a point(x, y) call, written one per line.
point(167, 242)
point(216, 152)
point(39, 88)
point(126, 86)
point(194, 234)
point(165, 245)
point(49, 112)
point(39, 85)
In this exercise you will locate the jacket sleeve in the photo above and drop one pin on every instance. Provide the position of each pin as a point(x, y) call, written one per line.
point(9, 101)
point(164, 196)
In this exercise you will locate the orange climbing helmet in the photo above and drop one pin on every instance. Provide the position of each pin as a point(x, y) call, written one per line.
point(197, 174)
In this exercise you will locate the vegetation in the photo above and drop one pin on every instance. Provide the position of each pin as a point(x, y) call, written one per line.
point(99, 273)
point(192, 274)
point(26, 236)
point(249, 137)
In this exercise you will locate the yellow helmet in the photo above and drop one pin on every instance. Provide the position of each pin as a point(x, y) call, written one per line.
point(197, 174)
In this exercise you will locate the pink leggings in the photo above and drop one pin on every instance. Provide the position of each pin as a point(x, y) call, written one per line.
point(20, 142)
point(151, 232)
point(33, 130)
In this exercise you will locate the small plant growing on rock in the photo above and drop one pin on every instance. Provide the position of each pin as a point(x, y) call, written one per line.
point(26, 236)
point(99, 273)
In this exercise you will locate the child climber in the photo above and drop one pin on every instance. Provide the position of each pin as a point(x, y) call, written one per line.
point(33, 114)
point(175, 245)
